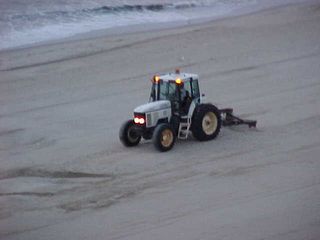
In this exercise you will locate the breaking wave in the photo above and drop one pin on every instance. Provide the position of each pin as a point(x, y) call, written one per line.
point(87, 12)
point(34, 21)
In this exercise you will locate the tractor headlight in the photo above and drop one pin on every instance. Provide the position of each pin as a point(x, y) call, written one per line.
point(139, 120)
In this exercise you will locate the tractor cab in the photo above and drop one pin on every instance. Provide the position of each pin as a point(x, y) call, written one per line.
point(179, 88)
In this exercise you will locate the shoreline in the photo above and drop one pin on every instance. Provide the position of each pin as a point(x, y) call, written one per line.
point(92, 43)
point(156, 27)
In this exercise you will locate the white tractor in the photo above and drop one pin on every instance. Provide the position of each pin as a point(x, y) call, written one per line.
point(175, 109)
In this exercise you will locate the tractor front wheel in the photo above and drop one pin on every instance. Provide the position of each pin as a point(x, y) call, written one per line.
point(163, 137)
point(127, 134)
point(206, 122)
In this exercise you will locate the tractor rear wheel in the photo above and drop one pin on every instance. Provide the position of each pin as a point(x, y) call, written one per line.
point(163, 137)
point(206, 122)
point(127, 134)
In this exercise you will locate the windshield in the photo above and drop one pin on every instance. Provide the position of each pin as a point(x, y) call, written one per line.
point(164, 91)
point(168, 91)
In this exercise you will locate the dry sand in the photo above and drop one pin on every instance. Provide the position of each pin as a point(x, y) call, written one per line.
point(65, 175)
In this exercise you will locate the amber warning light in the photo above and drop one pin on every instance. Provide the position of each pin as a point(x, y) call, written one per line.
point(156, 79)
point(178, 81)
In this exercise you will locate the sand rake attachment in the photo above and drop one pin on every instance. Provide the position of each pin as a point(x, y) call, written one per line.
point(228, 119)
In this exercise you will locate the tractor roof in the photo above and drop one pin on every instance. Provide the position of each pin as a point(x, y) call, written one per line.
point(174, 76)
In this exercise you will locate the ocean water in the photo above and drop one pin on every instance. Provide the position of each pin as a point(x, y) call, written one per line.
point(24, 22)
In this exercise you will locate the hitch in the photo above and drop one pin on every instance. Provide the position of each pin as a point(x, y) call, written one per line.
point(228, 119)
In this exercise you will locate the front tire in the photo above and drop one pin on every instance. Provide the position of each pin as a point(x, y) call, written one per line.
point(127, 134)
point(206, 123)
point(163, 137)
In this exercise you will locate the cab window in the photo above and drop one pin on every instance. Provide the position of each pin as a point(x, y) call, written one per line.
point(187, 87)
point(195, 89)
point(163, 90)
point(168, 91)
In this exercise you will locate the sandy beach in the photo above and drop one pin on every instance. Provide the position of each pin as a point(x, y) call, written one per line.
point(65, 175)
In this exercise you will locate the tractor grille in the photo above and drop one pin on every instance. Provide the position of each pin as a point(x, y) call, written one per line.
point(149, 120)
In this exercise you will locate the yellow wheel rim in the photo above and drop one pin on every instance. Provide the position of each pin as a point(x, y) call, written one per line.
point(209, 123)
point(166, 138)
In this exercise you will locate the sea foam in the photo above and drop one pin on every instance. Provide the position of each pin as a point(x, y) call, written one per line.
point(28, 22)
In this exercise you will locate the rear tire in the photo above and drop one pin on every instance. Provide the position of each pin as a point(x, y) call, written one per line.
point(128, 136)
point(206, 122)
point(163, 137)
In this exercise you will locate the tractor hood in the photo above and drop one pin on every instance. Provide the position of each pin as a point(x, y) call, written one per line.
point(153, 106)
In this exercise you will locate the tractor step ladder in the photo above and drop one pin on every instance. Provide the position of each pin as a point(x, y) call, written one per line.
point(185, 122)
point(184, 130)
